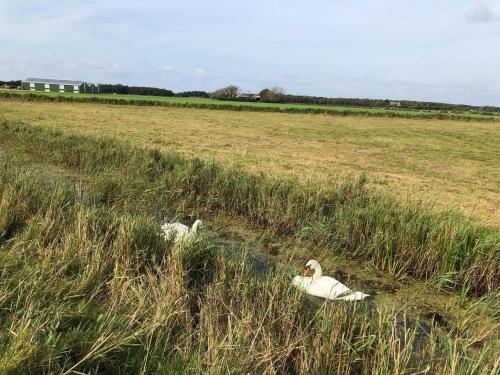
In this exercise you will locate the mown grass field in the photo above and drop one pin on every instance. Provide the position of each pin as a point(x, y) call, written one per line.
point(447, 164)
point(89, 286)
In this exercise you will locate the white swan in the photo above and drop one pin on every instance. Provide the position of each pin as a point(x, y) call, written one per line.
point(324, 286)
point(179, 232)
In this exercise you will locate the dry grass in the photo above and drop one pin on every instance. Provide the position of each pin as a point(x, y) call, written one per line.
point(454, 163)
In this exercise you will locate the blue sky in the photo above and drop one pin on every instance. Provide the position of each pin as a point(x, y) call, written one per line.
point(446, 50)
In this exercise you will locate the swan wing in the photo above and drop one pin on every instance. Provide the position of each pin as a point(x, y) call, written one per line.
point(328, 287)
point(339, 291)
point(176, 230)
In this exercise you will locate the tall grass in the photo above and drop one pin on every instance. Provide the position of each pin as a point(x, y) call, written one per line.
point(251, 107)
point(346, 217)
point(89, 286)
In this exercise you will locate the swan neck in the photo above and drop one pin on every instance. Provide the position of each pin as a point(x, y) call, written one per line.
point(194, 228)
point(318, 272)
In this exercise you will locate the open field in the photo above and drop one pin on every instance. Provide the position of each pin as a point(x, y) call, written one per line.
point(454, 164)
point(88, 285)
point(205, 103)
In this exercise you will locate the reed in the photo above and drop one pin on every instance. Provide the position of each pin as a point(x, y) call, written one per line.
point(89, 286)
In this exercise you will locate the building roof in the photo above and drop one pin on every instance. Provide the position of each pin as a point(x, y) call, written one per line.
point(53, 81)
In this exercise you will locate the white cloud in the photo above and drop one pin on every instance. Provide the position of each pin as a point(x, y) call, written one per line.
point(200, 72)
point(184, 72)
point(12, 62)
point(47, 65)
point(480, 14)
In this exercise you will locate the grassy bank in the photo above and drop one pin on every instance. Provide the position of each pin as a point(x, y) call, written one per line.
point(346, 217)
point(87, 285)
point(201, 103)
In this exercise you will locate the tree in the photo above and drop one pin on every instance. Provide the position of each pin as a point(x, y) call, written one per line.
point(10, 84)
point(228, 93)
point(273, 95)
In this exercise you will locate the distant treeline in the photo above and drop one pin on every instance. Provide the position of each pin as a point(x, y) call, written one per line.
point(277, 95)
point(10, 84)
point(107, 88)
point(271, 96)
point(192, 94)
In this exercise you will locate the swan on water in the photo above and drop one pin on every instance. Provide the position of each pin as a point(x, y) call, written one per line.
point(324, 286)
point(179, 232)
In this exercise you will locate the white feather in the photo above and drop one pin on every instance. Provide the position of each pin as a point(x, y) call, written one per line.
point(179, 232)
point(325, 286)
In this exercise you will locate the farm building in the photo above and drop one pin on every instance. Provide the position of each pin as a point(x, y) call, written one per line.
point(247, 96)
point(59, 85)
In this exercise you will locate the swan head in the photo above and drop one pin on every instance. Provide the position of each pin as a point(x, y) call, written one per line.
point(314, 267)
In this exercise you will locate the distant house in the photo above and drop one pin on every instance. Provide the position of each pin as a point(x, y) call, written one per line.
point(247, 96)
point(59, 85)
point(395, 104)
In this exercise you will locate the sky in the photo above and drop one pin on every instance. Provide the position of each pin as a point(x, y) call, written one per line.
point(446, 50)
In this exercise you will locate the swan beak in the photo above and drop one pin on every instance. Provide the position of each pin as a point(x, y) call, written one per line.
point(306, 270)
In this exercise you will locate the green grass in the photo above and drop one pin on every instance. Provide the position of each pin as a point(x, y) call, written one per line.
point(205, 103)
point(87, 285)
